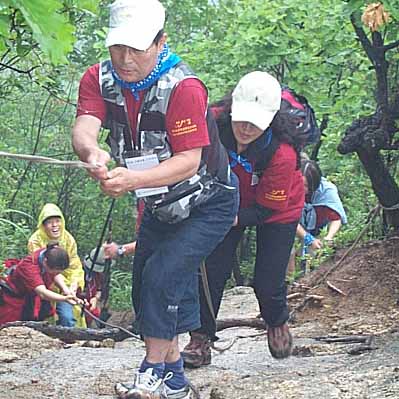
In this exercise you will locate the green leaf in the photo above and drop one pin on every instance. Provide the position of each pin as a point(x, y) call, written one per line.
point(392, 9)
point(4, 25)
point(50, 28)
point(352, 6)
point(88, 5)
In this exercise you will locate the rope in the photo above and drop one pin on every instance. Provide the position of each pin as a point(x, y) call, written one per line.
point(390, 208)
point(109, 324)
point(207, 292)
point(48, 160)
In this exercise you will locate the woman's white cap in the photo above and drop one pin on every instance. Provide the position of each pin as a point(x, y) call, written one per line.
point(256, 99)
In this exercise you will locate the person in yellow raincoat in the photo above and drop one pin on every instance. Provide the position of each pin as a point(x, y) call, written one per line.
point(50, 228)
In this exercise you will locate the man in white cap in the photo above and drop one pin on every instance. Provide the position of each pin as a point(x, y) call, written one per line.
point(168, 151)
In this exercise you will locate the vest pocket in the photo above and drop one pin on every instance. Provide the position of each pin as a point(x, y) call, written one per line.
point(157, 142)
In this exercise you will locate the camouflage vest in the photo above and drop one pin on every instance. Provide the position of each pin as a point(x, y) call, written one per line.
point(151, 130)
point(151, 134)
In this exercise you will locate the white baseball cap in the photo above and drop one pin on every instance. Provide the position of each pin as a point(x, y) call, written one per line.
point(135, 23)
point(256, 99)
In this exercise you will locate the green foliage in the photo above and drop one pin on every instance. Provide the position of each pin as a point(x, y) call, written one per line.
point(50, 28)
point(14, 229)
point(121, 288)
point(49, 23)
point(309, 45)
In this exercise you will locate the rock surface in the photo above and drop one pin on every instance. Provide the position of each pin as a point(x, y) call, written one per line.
point(35, 366)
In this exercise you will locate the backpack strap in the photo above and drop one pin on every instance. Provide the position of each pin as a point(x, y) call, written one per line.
point(263, 158)
point(8, 290)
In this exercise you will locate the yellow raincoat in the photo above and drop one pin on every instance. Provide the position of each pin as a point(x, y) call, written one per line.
point(74, 273)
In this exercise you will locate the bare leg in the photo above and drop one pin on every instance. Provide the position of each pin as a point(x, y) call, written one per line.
point(174, 353)
point(160, 350)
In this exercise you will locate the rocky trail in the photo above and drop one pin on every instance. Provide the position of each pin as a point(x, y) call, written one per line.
point(364, 311)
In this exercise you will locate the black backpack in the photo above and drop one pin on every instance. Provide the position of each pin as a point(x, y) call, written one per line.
point(298, 107)
point(307, 131)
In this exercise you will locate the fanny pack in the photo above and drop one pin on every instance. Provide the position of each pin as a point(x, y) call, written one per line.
point(176, 205)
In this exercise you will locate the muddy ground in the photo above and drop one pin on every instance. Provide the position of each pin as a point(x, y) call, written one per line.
point(35, 366)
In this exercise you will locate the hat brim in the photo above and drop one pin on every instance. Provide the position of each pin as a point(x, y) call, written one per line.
point(253, 113)
point(128, 37)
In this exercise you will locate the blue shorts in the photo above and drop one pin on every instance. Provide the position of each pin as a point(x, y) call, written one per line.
point(167, 260)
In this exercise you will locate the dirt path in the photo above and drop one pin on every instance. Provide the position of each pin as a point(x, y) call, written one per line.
point(35, 366)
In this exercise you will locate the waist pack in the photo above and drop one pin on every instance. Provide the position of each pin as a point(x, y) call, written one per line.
point(176, 205)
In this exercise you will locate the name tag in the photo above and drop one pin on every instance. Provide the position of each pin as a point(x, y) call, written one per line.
point(254, 180)
point(144, 162)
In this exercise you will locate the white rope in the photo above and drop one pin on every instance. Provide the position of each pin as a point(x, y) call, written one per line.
point(47, 160)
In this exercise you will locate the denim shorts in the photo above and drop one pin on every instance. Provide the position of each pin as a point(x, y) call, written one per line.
point(167, 260)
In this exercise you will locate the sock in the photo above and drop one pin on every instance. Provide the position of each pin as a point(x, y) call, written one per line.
point(178, 380)
point(157, 367)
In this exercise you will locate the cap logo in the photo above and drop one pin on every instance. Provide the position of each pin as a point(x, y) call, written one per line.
point(120, 17)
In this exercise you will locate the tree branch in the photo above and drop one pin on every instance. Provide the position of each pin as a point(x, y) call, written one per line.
point(391, 46)
point(27, 72)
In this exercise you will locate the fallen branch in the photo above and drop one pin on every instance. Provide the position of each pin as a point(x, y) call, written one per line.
point(315, 297)
point(70, 334)
point(370, 217)
point(229, 323)
point(294, 295)
point(359, 349)
point(346, 339)
point(334, 288)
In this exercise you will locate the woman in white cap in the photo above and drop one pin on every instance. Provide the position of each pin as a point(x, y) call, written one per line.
point(264, 154)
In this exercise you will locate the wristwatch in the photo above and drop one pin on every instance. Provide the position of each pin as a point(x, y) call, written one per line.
point(121, 250)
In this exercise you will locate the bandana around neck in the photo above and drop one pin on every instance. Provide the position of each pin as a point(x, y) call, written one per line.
point(166, 61)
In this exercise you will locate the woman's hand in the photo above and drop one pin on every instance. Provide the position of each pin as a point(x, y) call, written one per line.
point(94, 303)
point(73, 300)
point(316, 244)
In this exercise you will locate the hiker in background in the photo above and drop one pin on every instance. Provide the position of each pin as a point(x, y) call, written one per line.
point(323, 208)
point(264, 154)
point(97, 278)
point(51, 228)
point(26, 290)
point(157, 109)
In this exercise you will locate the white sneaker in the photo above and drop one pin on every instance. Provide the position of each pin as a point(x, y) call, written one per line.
point(146, 385)
point(182, 393)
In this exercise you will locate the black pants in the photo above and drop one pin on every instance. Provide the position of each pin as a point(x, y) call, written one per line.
point(273, 247)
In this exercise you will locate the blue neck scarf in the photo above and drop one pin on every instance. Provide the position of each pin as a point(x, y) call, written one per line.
point(166, 61)
point(239, 159)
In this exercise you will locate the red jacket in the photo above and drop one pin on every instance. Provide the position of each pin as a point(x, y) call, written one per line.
point(24, 278)
point(280, 187)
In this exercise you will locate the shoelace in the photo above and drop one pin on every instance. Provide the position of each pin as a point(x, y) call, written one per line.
point(148, 381)
point(151, 382)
